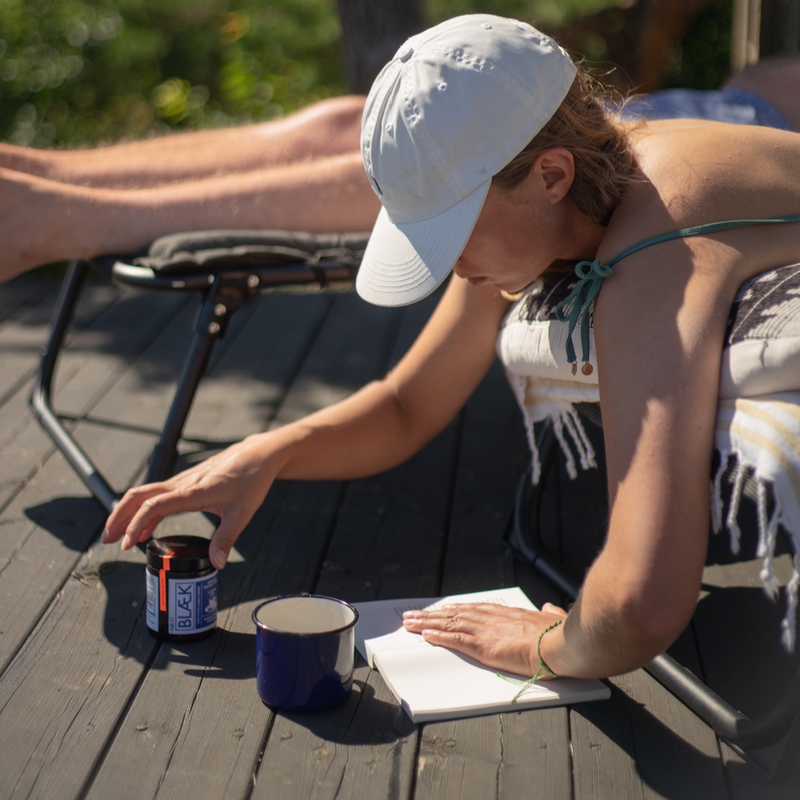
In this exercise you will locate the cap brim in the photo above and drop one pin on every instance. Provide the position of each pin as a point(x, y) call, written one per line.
point(405, 262)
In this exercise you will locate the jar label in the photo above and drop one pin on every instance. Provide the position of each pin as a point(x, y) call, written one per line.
point(191, 603)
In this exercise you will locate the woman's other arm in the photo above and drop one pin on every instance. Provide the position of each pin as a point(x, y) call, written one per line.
point(375, 429)
point(660, 326)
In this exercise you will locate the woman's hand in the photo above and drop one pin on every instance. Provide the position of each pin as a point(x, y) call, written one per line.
point(498, 636)
point(232, 485)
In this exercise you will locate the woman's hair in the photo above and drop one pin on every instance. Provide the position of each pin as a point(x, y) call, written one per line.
point(604, 161)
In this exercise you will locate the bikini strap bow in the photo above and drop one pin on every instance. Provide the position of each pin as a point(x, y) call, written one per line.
point(591, 275)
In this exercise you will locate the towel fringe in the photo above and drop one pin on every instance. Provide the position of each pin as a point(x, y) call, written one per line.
point(789, 622)
point(716, 494)
point(767, 537)
point(565, 420)
point(519, 384)
point(732, 520)
point(578, 432)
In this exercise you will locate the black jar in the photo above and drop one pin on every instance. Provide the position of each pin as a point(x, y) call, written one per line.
point(181, 586)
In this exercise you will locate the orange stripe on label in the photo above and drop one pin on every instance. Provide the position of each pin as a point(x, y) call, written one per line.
point(162, 581)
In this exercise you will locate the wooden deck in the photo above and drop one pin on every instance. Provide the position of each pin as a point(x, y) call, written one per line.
point(91, 706)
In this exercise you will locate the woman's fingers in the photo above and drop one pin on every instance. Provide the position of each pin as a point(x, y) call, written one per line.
point(224, 538)
point(144, 508)
point(157, 507)
point(120, 518)
point(460, 641)
point(498, 636)
point(220, 486)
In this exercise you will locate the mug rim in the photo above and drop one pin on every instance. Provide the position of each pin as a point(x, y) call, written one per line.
point(301, 635)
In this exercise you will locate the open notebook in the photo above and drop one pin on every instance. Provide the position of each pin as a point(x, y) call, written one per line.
point(433, 683)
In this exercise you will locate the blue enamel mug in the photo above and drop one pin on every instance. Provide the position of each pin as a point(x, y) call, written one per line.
point(305, 651)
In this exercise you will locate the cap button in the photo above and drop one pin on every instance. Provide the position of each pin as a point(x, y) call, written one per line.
point(406, 53)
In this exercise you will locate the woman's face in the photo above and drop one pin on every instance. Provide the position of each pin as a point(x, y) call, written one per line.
point(521, 231)
point(510, 243)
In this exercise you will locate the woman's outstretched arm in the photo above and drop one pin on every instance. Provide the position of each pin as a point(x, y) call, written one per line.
point(659, 330)
point(375, 429)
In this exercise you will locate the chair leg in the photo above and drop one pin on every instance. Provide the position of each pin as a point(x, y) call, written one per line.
point(40, 399)
point(211, 324)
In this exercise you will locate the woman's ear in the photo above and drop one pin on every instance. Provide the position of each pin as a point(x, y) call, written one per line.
point(556, 170)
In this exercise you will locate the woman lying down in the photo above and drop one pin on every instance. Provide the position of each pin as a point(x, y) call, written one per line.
point(493, 157)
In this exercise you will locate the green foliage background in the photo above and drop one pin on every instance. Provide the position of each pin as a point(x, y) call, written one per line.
point(80, 72)
point(84, 71)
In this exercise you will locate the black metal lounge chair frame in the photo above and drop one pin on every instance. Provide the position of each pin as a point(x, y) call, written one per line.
point(228, 270)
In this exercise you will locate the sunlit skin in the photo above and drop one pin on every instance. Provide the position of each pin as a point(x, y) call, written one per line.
point(303, 172)
point(659, 327)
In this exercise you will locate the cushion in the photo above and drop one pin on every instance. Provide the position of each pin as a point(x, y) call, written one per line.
point(232, 250)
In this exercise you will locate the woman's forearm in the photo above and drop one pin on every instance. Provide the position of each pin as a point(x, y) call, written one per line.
point(367, 433)
point(609, 630)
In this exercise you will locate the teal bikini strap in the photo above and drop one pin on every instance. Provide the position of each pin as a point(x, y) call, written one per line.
point(592, 275)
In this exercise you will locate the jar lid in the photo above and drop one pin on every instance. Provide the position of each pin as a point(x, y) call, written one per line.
point(179, 553)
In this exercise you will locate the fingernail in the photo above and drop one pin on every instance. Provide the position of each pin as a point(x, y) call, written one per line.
point(220, 559)
point(104, 536)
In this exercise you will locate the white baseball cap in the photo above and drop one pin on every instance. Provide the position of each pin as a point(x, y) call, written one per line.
point(449, 111)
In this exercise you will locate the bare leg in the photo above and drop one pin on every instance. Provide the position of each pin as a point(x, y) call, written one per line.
point(329, 128)
point(43, 221)
point(776, 80)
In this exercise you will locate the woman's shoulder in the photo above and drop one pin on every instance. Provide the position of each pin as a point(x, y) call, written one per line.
point(662, 133)
point(702, 172)
point(689, 158)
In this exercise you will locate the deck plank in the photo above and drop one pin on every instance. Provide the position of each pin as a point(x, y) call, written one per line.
point(365, 748)
point(23, 333)
point(666, 733)
point(52, 520)
point(641, 710)
point(73, 676)
point(253, 367)
point(494, 754)
point(47, 484)
point(23, 293)
point(96, 358)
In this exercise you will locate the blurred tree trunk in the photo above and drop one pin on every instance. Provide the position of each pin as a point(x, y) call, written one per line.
point(640, 38)
point(372, 32)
